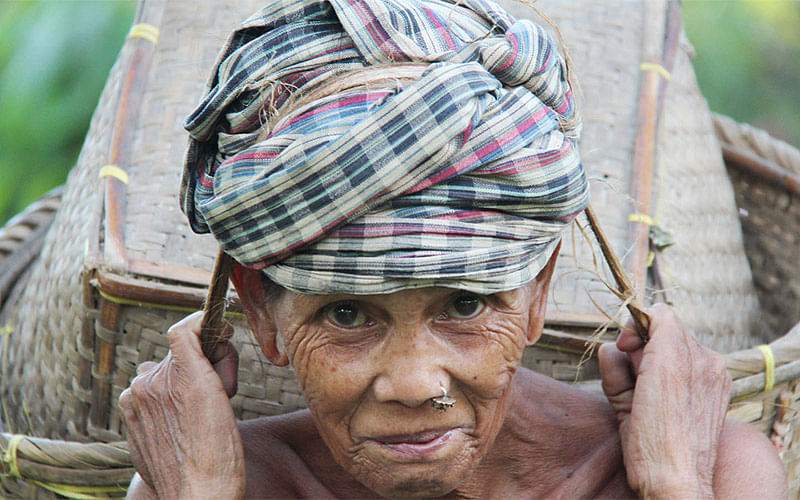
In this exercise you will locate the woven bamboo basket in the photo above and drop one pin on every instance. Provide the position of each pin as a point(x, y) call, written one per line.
point(119, 264)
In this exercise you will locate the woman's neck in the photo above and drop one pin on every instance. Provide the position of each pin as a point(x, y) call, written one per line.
point(555, 441)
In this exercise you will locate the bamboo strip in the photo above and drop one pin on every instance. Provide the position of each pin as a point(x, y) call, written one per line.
point(762, 168)
point(660, 46)
point(126, 121)
point(754, 384)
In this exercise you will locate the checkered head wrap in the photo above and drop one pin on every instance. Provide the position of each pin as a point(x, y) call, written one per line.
point(463, 176)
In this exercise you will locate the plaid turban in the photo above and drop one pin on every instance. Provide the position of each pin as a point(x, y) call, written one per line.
point(462, 177)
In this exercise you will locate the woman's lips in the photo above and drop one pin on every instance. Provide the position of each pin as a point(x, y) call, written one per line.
point(420, 445)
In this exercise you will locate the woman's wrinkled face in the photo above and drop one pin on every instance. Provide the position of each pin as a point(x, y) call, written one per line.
point(369, 366)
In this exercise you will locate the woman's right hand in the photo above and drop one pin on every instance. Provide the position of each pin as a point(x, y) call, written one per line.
point(181, 430)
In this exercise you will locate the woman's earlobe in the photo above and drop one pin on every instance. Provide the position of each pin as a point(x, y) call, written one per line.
point(249, 286)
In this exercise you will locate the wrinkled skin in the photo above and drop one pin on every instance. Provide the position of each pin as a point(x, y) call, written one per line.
point(368, 366)
point(369, 387)
point(170, 404)
point(688, 448)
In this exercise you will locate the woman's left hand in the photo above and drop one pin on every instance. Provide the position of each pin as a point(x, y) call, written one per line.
point(670, 397)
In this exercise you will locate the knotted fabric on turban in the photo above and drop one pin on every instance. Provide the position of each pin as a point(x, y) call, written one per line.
point(463, 177)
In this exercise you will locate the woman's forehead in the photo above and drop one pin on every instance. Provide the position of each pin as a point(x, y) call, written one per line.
point(415, 297)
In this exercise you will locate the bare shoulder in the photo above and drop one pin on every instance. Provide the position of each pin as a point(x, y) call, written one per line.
point(747, 464)
point(569, 438)
point(276, 454)
point(567, 406)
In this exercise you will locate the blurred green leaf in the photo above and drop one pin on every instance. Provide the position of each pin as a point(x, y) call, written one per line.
point(747, 54)
point(54, 59)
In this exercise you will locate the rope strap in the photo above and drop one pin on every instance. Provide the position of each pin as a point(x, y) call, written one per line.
point(769, 366)
point(115, 172)
point(661, 70)
point(146, 31)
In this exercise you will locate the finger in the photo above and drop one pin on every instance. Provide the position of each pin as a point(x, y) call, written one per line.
point(145, 367)
point(615, 371)
point(225, 360)
point(191, 362)
point(132, 423)
point(190, 322)
point(668, 337)
point(184, 338)
point(629, 340)
point(125, 404)
point(631, 343)
point(663, 325)
point(222, 347)
point(227, 366)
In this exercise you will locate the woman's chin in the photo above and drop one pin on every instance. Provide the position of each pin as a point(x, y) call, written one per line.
point(415, 488)
point(415, 485)
point(424, 469)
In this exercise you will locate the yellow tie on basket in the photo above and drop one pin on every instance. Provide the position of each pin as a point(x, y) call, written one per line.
point(769, 366)
point(661, 70)
point(144, 30)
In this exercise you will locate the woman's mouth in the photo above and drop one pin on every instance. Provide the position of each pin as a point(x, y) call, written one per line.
point(417, 446)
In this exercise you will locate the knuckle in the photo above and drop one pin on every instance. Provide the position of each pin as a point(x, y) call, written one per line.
point(145, 367)
point(719, 363)
point(125, 402)
point(174, 333)
point(714, 361)
point(145, 386)
point(137, 388)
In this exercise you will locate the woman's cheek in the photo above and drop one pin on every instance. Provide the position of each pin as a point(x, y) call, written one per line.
point(328, 377)
point(505, 338)
point(493, 367)
point(302, 347)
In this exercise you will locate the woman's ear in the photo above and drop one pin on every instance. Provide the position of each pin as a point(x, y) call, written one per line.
point(538, 289)
point(250, 288)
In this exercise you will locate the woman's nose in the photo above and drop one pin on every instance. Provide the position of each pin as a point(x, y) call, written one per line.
point(411, 367)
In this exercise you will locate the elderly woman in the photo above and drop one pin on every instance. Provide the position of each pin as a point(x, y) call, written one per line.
point(392, 178)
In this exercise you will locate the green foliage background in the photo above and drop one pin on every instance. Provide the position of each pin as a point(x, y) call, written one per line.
point(55, 56)
point(748, 60)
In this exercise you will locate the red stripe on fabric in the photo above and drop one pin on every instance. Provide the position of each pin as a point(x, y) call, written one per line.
point(380, 36)
point(527, 164)
point(480, 154)
point(465, 215)
point(372, 96)
point(252, 155)
point(512, 56)
point(204, 179)
point(546, 62)
point(441, 29)
point(561, 110)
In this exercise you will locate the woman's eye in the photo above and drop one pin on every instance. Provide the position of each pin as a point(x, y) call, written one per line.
point(465, 306)
point(346, 314)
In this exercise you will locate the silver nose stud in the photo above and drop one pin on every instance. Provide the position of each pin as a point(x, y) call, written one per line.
point(443, 402)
